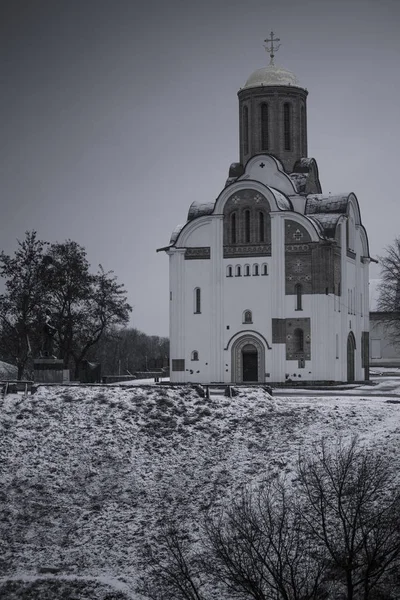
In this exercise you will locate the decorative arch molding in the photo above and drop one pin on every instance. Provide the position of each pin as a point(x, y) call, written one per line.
point(341, 221)
point(251, 332)
point(364, 241)
point(237, 360)
point(190, 228)
point(352, 203)
point(353, 339)
point(257, 187)
point(309, 225)
point(273, 172)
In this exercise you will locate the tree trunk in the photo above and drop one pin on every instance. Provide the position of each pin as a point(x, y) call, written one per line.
point(76, 370)
point(20, 372)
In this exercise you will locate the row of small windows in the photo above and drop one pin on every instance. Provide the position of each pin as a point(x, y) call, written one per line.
point(352, 301)
point(246, 270)
point(246, 227)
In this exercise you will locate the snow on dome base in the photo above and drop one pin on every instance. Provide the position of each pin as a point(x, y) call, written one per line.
point(271, 75)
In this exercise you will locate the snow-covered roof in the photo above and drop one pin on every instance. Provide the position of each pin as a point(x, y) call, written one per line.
point(322, 203)
point(199, 209)
point(271, 75)
point(327, 223)
point(175, 233)
point(305, 176)
point(281, 200)
point(300, 181)
point(305, 163)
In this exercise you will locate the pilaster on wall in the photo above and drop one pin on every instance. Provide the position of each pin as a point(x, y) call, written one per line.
point(344, 332)
point(216, 300)
point(278, 291)
point(177, 310)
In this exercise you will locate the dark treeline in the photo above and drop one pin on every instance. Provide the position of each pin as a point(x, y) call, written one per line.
point(125, 351)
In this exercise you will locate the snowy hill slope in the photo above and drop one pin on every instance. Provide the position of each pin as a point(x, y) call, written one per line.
point(86, 472)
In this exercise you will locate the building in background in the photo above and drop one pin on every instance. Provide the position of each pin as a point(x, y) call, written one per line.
point(269, 282)
point(383, 352)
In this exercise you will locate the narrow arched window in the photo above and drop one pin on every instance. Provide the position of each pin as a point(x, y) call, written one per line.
point(197, 300)
point(303, 130)
point(287, 125)
point(195, 355)
point(298, 339)
point(233, 228)
point(247, 316)
point(299, 293)
point(247, 226)
point(264, 269)
point(255, 269)
point(229, 271)
point(246, 270)
point(245, 130)
point(264, 127)
point(261, 227)
point(238, 271)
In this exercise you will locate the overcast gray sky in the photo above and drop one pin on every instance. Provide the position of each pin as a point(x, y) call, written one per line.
point(116, 115)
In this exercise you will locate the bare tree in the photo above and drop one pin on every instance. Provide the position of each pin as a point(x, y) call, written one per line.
point(257, 548)
point(56, 277)
point(334, 532)
point(22, 300)
point(261, 550)
point(352, 508)
point(174, 568)
point(389, 290)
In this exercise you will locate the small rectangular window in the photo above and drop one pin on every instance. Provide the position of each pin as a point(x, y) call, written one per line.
point(178, 364)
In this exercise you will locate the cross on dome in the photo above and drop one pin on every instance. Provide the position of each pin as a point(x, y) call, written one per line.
point(272, 49)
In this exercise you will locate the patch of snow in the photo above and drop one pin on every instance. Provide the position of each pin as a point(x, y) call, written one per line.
point(87, 472)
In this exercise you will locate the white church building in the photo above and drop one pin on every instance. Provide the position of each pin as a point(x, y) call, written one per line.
point(269, 283)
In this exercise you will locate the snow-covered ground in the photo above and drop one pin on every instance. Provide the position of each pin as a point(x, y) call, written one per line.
point(86, 472)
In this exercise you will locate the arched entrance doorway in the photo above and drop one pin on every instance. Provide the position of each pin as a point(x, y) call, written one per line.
point(248, 360)
point(250, 363)
point(351, 346)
